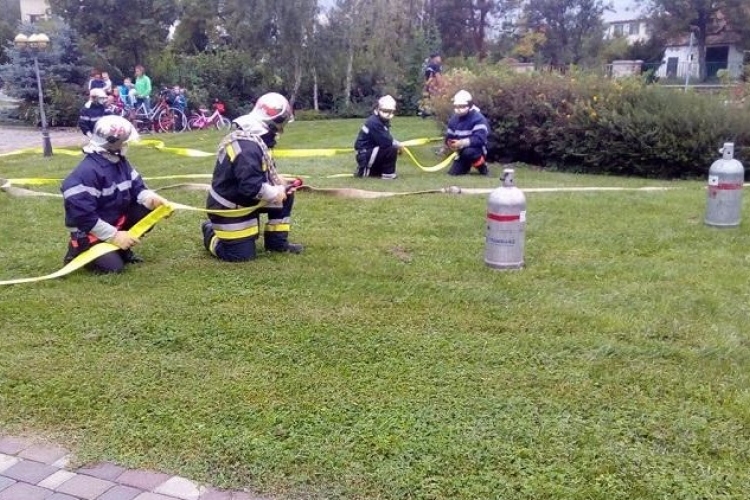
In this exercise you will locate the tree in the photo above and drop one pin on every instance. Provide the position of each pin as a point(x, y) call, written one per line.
point(60, 70)
point(198, 26)
point(573, 28)
point(463, 24)
point(11, 10)
point(126, 32)
point(677, 19)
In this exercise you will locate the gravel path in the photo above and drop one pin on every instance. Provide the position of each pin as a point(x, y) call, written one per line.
point(14, 138)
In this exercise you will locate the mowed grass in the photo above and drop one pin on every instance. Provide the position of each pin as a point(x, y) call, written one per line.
point(387, 361)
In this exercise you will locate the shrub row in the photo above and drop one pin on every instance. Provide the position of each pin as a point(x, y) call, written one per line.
point(589, 124)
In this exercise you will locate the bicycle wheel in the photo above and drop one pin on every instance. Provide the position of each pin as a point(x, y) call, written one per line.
point(195, 122)
point(223, 123)
point(171, 120)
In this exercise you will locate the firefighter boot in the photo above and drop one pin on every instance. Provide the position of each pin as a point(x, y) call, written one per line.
point(129, 257)
point(277, 241)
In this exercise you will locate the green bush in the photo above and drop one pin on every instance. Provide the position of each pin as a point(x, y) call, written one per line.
point(582, 122)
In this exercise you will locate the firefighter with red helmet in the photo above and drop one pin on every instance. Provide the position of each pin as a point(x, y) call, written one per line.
point(245, 177)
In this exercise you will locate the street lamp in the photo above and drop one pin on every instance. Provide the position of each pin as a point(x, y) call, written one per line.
point(36, 43)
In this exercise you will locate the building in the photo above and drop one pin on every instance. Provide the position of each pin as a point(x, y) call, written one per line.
point(33, 11)
point(626, 20)
point(723, 52)
point(633, 29)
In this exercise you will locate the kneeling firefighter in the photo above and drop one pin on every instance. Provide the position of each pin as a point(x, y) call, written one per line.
point(376, 149)
point(245, 177)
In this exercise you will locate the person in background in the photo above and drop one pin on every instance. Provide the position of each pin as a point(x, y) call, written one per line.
point(96, 82)
point(433, 80)
point(179, 100)
point(142, 87)
point(245, 176)
point(466, 135)
point(92, 111)
point(107, 82)
point(433, 74)
point(115, 105)
point(127, 92)
point(104, 196)
point(376, 149)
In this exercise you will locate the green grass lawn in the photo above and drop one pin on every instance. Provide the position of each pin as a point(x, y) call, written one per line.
point(387, 361)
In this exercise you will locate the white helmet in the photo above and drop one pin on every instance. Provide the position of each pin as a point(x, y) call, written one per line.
point(461, 102)
point(112, 132)
point(273, 110)
point(98, 95)
point(386, 107)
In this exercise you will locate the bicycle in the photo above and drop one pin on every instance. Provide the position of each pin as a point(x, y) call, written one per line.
point(200, 121)
point(161, 118)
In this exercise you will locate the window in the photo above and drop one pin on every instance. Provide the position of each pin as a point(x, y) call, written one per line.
point(633, 28)
point(618, 29)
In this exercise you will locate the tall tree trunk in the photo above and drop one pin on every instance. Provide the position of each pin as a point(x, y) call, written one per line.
point(349, 76)
point(316, 104)
point(297, 78)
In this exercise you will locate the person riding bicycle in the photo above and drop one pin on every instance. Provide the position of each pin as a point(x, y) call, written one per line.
point(245, 176)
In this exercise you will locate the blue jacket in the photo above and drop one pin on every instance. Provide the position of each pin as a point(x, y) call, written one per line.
point(473, 126)
point(98, 192)
point(375, 132)
point(89, 115)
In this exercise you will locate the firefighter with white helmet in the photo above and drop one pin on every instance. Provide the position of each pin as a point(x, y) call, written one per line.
point(376, 149)
point(104, 196)
point(244, 177)
point(466, 135)
point(95, 108)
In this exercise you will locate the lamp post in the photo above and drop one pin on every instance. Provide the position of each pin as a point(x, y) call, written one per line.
point(36, 43)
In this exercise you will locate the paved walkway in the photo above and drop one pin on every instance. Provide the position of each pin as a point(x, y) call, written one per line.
point(33, 471)
point(13, 138)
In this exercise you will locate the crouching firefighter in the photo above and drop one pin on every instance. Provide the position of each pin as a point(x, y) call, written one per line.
point(104, 196)
point(245, 177)
point(376, 149)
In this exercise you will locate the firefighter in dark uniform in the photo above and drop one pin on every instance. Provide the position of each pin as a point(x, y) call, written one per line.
point(376, 149)
point(466, 135)
point(245, 177)
point(95, 108)
point(104, 196)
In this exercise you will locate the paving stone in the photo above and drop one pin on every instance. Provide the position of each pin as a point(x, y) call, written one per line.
point(56, 479)
point(29, 472)
point(121, 493)
point(61, 496)
point(181, 488)
point(213, 494)
point(103, 470)
point(46, 454)
point(7, 461)
point(86, 487)
point(12, 445)
point(23, 491)
point(63, 462)
point(147, 495)
point(143, 479)
point(5, 482)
